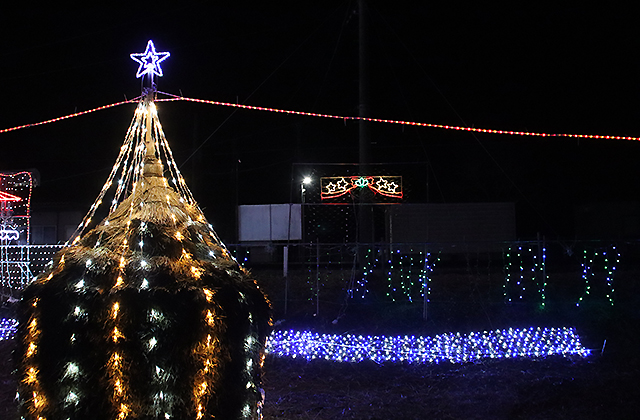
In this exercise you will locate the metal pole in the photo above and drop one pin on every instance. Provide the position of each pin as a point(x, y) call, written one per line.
point(317, 278)
point(425, 285)
point(285, 274)
point(363, 86)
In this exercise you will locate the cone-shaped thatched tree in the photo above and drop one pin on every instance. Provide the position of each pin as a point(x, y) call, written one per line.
point(146, 315)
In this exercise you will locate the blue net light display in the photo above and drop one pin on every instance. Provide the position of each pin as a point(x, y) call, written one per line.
point(8, 327)
point(451, 347)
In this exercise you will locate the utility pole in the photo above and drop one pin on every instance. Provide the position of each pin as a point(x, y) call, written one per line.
point(363, 87)
point(365, 232)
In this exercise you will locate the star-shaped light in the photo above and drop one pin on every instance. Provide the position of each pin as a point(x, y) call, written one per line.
point(342, 184)
point(382, 183)
point(150, 60)
point(331, 187)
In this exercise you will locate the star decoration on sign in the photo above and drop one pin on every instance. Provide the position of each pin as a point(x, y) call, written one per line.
point(382, 183)
point(342, 184)
point(150, 60)
point(333, 187)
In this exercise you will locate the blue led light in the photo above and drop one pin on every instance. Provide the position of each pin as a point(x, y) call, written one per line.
point(451, 347)
point(149, 60)
point(8, 328)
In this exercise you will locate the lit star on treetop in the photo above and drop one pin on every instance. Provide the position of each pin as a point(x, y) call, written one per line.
point(150, 60)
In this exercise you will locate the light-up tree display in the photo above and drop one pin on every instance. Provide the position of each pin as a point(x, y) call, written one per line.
point(145, 314)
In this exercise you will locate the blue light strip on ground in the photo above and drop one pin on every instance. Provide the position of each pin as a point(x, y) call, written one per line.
point(8, 328)
point(452, 347)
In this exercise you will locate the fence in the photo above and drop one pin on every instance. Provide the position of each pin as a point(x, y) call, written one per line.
point(20, 263)
point(322, 280)
point(474, 278)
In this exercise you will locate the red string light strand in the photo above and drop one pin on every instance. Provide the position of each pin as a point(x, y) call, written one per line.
point(65, 117)
point(337, 117)
point(419, 124)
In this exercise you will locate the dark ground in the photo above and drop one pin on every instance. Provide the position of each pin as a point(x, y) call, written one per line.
point(598, 387)
point(605, 385)
point(553, 388)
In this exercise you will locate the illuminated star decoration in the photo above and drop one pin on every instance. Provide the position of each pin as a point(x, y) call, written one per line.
point(150, 61)
point(337, 186)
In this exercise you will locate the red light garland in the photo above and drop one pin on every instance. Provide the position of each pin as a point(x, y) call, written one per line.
point(419, 124)
point(65, 117)
point(337, 117)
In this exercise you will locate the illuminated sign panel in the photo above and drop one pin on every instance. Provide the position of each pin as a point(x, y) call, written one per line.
point(338, 186)
point(15, 202)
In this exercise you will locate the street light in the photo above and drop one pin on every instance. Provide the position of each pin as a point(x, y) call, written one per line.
point(305, 181)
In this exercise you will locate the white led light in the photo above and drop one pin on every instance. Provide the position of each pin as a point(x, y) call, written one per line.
point(71, 398)
point(72, 370)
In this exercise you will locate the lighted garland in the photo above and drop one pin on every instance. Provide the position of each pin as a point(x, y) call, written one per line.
point(452, 347)
point(609, 259)
point(401, 122)
point(525, 273)
point(409, 274)
point(338, 117)
point(65, 117)
point(359, 284)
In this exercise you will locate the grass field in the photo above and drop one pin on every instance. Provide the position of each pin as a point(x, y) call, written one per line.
point(603, 385)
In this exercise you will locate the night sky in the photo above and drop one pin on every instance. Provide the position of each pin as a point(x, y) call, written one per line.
point(556, 69)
